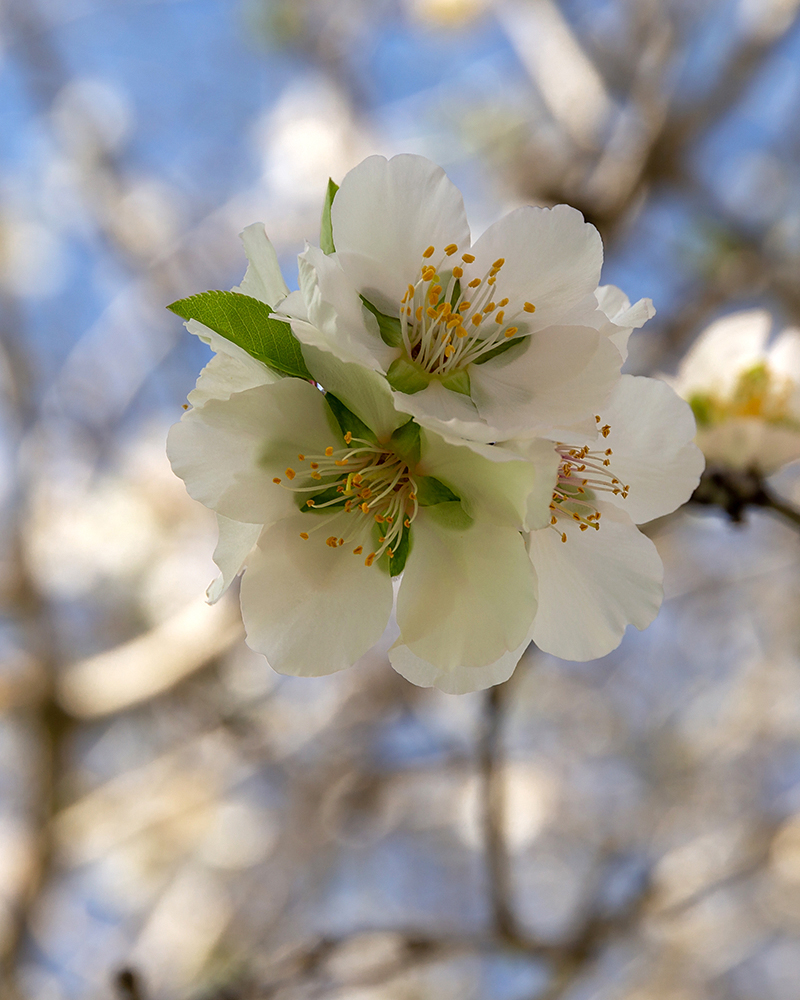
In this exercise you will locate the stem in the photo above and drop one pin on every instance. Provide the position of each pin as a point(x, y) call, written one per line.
point(494, 806)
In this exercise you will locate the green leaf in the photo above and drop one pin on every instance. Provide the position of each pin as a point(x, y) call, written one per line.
point(399, 555)
point(511, 342)
point(404, 376)
point(347, 420)
point(451, 516)
point(247, 322)
point(457, 381)
point(389, 326)
point(405, 442)
point(326, 228)
point(431, 491)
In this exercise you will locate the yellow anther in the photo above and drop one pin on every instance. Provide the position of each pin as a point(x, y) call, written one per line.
point(458, 271)
point(609, 451)
point(584, 527)
point(445, 309)
point(186, 406)
point(489, 307)
point(348, 438)
point(370, 559)
point(315, 465)
point(554, 519)
point(364, 508)
point(407, 523)
point(511, 331)
point(342, 461)
point(302, 458)
point(563, 536)
point(606, 430)
point(597, 419)
point(429, 252)
point(453, 321)
point(389, 553)
point(329, 451)
point(503, 302)
point(341, 541)
point(477, 319)
point(450, 249)
point(474, 283)
point(380, 518)
point(464, 307)
point(332, 542)
point(491, 280)
point(316, 475)
point(277, 481)
point(290, 473)
point(499, 263)
point(461, 332)
point(310, 502)
point(529, 307)
point(430, 312)
point(358, 550)
point(500, 317)
point(468, 258)
point(449, 350)
point(428, 272)
point(419, 313)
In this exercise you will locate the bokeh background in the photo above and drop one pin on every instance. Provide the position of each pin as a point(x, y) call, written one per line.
point(176, 820)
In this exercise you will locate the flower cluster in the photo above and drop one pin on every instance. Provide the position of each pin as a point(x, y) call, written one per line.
point(447, 415)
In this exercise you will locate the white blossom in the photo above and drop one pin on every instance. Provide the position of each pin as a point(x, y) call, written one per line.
point(745, 393)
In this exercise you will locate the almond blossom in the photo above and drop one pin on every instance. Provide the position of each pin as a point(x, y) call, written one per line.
point(509, 337)
point(745, 393)
point(321, 519)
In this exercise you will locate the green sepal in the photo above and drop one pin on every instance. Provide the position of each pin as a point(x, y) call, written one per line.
point(431, 491)
point(454, 298)
point(397, 562)
point(348, 421)
point(330, 493)
point(703, 408)
point(457, 381)
point(247, 322)
point(326, 227)
point(404, 376)
point(500, 349)
point(389, 326)
point(405, 442)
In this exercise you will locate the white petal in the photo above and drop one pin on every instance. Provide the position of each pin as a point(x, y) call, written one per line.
point(458, 680)
point(723, 351)
point(311, 609)
point(546, 460)
point(336, 318)
point(362, 390)
point(622, 317)
point(385, 214)
point(467, 595)
point(594, 585)
point(554, 379)
point(651, 437)
point(228, 451)
point(263, 279)
point(231, 369)
point(492, 482)
point(236, 541)
point(552, 259)
point(451, 414)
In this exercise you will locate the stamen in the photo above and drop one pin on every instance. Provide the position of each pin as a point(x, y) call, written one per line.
point(450, 249)
point(468, 258)
point(429, 252)
point(529, 307)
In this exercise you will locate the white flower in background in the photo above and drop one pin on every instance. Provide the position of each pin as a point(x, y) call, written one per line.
point(745, 394)
point(597, 573)
point(322, 519)
point(508, 338)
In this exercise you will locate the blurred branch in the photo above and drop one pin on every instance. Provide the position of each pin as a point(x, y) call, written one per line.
point(734, 491)
point(494, 815)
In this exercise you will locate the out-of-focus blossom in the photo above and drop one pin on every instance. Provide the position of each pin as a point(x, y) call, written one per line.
point(745, 394)
point(506, 338)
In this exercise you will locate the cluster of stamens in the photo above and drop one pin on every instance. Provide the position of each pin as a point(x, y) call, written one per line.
point(447, 325)
point(583, 472)
point(363, 484)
